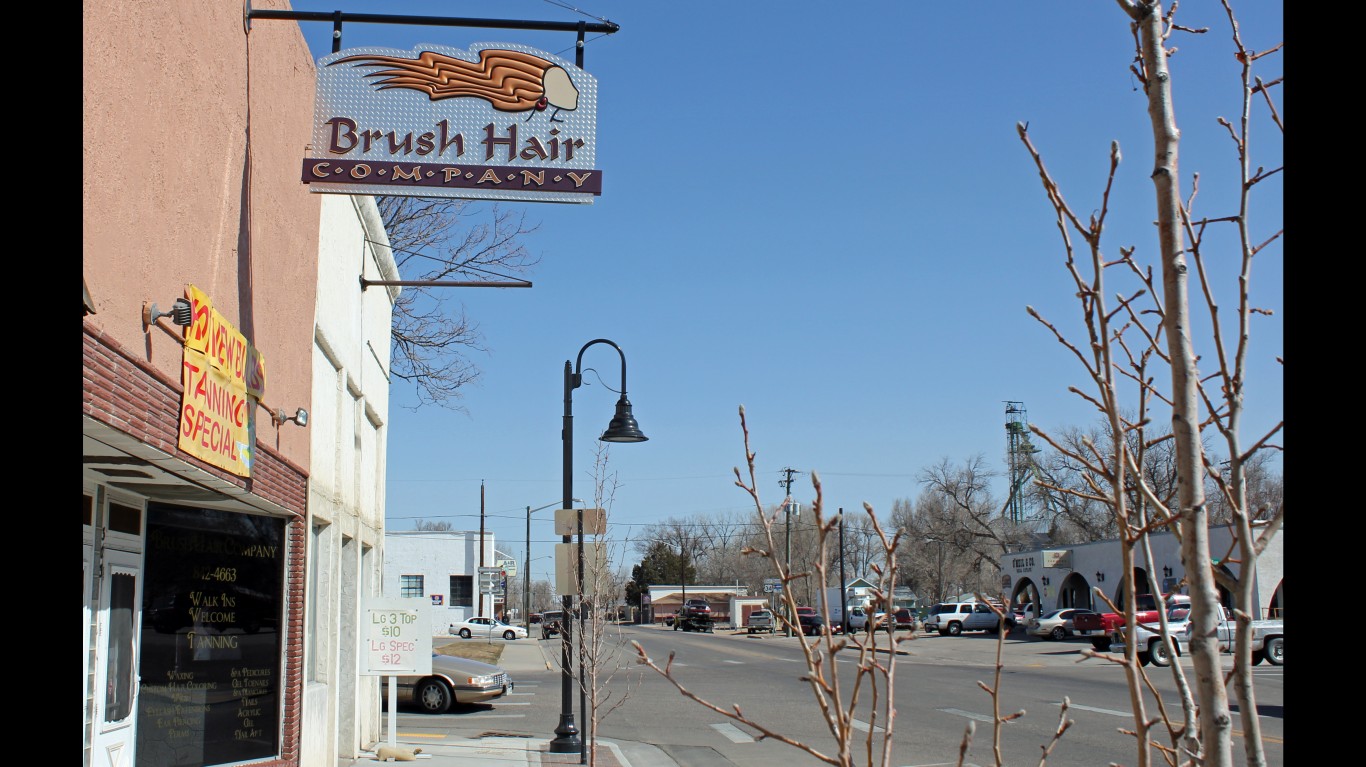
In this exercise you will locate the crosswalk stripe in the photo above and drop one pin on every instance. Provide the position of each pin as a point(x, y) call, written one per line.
point(863, 726)
point(1109, 711)
point(960, 712)
point(735, 734)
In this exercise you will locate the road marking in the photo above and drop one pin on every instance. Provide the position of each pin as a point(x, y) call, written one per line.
point(735, 734)
point(1270, 738)
point(960, 712)
point(512, 703)
point(1109, 711)
point(863, 726)
point(794, 660)
point(736, 662)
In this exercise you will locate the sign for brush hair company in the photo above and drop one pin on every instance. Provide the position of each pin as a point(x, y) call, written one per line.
point(498, 121)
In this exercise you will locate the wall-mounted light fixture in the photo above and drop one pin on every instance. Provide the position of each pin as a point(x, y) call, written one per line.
point(180, 313)
point(1100, 577)
point(1166, 571)
point(300, 417)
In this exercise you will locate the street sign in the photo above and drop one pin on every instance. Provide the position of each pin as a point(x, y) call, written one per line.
point(567, 567)
point(490, 580)
point(567, 521)
point(508, 566)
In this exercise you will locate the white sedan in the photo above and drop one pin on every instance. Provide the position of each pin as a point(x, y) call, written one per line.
point(487, 628)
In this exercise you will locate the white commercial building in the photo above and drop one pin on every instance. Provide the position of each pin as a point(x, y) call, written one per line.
point(441, 567)
point(1063, 576)
point(348, 428)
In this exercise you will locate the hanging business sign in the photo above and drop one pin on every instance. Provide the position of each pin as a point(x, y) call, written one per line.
point(222, 376)
point(498, 121)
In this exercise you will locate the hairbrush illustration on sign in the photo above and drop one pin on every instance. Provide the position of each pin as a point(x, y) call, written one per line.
point(511, 81)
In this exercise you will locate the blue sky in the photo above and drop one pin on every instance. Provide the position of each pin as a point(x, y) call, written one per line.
point(822, 213)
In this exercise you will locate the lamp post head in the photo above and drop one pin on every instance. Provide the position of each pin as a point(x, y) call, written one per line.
point(623, 427)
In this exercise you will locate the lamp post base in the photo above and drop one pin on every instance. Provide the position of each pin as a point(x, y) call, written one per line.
point(566, 739)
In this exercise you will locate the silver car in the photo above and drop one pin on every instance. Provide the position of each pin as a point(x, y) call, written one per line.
point(455, 680)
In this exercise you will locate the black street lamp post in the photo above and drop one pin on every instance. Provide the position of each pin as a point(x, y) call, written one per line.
point(623, 428)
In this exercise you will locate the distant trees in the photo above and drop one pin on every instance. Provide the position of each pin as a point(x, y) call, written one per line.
point(433, 525)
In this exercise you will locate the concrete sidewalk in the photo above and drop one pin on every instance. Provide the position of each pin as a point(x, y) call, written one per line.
point(521, 658)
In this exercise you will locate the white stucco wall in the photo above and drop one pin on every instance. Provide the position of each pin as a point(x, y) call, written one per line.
point(350, 408)
point(436, 556)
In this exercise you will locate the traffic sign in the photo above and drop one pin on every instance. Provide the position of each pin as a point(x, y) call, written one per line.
point(490, 580)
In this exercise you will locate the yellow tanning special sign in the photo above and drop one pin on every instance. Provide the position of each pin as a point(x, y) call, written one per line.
point(220, 374)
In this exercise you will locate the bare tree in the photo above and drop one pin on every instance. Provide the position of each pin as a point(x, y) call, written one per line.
point(605, 681)
point(433, 525)
point(443, 239)
point(964, 515)
point(1146, 331)
point(838, 698)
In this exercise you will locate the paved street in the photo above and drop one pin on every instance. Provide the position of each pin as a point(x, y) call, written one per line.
point(936, 692)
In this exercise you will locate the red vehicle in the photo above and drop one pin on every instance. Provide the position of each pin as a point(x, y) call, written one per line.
point(1098, 626)
point(694, 615)
point(810, 622)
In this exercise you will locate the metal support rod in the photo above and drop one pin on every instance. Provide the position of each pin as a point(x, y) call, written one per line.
point(583, 652)
point(364, 283)
point(566, 740)
point(337, 17)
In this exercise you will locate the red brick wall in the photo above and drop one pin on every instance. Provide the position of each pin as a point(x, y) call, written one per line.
point(138, 400)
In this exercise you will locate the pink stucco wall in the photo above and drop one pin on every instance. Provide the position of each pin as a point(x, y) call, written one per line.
point(194, 131)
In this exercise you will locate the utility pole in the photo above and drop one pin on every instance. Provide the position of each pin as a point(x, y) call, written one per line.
point(787, 536)
point(481, 543)
point(526, 577)
point(844, 596)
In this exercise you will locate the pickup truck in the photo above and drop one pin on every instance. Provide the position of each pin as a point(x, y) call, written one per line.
point(1101, 626)
point(760, 620)
point(1267, 637)
point(1148, 637)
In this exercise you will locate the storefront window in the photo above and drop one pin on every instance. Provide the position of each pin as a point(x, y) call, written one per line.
point(211, 644)
point(118, 674)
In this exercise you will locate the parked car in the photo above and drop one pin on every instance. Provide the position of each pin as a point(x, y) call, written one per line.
point(550, 623)
point(1056, 624)
point(760, 620)
point(902, 618)
point(487, 627)
point(534, 618)
point(953, 618)
point(455, 680)
point(811, 623)
point(905, 619)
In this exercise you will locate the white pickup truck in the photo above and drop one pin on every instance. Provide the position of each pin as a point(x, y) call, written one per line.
point(1267, 638)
